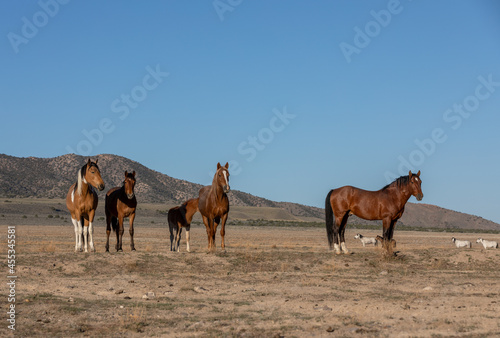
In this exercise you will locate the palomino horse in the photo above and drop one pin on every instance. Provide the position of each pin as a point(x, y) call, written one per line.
point(386, 204)
point(213, 204)
point(121, 203)
point(178, 218)
point(81, 202)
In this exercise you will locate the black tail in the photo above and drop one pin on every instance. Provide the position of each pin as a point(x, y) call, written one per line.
point(329, 219)
point(114, 224)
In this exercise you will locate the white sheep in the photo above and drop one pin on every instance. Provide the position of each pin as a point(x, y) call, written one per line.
point(487, 244)
point(366, 240)
point(461, 244)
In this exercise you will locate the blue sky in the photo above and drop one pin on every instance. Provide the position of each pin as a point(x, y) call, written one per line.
point(299, 96)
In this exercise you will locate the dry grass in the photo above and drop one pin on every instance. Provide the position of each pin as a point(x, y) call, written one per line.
point(271, 281)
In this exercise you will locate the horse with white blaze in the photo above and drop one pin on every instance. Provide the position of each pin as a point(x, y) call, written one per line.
point(366, 240)
point(487, 244)
point(461, 244)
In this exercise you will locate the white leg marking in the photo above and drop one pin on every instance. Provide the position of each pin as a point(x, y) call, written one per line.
point(85, 238)
point(80, 231)
point(187, 240)
point(91, 237)
point(77, 234)
point(344, 248)
point(336, 248)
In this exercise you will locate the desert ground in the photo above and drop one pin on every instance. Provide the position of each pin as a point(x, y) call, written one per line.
point(270, 281)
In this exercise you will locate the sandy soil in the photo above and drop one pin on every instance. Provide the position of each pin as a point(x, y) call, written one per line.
point(269, 282)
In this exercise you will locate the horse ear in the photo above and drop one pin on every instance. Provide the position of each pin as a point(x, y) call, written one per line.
point(418, 174)
point(96, 161)
point(218, 165)
point(133, 173)
point(410, 174)
point(227, 165)
point(126, 174)
point(88, 162)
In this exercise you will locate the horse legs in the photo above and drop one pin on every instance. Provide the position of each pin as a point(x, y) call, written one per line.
point(342, 231)
point(108, 230)
point(131, 231)
point(208, 224)
point(336, 230)
point(85, 235)
point(388, 229)
point(91, 230)
point(223, 230)
point(171, 228)
point(78, 234)
point(119, 234)
point(178, 239)
point(188, 228)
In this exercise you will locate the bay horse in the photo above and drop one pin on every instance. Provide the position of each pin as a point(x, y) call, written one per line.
point(213, 205)
point(121, 203)
point(178, 218)
point(81, 202)
point(386, 204)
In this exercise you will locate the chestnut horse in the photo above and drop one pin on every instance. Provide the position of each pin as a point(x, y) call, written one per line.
point(386, 204)
point(121, 203)
point(178, 218)
point(213, 205)
point(81, 202)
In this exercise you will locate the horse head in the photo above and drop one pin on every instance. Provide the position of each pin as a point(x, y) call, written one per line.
point(129, 184)
point(221, 177)
point(415, 185)
point(91, 175)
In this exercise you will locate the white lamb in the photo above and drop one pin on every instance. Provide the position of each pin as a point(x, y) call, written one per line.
point(487, 244)
point(366, 240)
point(461, 244)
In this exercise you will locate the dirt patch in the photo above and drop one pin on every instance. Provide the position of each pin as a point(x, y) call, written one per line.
point(270, 281)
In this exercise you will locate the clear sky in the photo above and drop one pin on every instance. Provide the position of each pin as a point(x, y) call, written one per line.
point(301, 97)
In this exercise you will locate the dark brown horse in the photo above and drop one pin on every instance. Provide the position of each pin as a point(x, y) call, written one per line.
point(81, 202)
point(181, 217)
point(121, 203)
point(386, 204)
point(213, 205)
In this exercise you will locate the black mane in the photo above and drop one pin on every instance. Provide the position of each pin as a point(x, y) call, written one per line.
point(401, 181)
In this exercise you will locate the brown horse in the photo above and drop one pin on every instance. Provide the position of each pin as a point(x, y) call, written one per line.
point(386, 204)
point(178, 218)
point(213, 205)
point(81, 202)
point(121, 203)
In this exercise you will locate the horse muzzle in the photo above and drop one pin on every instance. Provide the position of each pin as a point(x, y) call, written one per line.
point(226, 188)
point(100, 187)
point(130, 196)
point(419, 197)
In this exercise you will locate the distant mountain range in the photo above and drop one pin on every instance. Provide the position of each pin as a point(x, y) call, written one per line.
point(51, 178)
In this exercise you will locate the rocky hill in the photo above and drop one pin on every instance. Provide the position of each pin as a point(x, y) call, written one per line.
point(51, 178)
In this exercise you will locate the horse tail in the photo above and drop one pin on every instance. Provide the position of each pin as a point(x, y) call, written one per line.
point(329, 219)
point(114, 224)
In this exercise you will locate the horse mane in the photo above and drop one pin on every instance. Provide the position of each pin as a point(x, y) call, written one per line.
point(399, 182)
